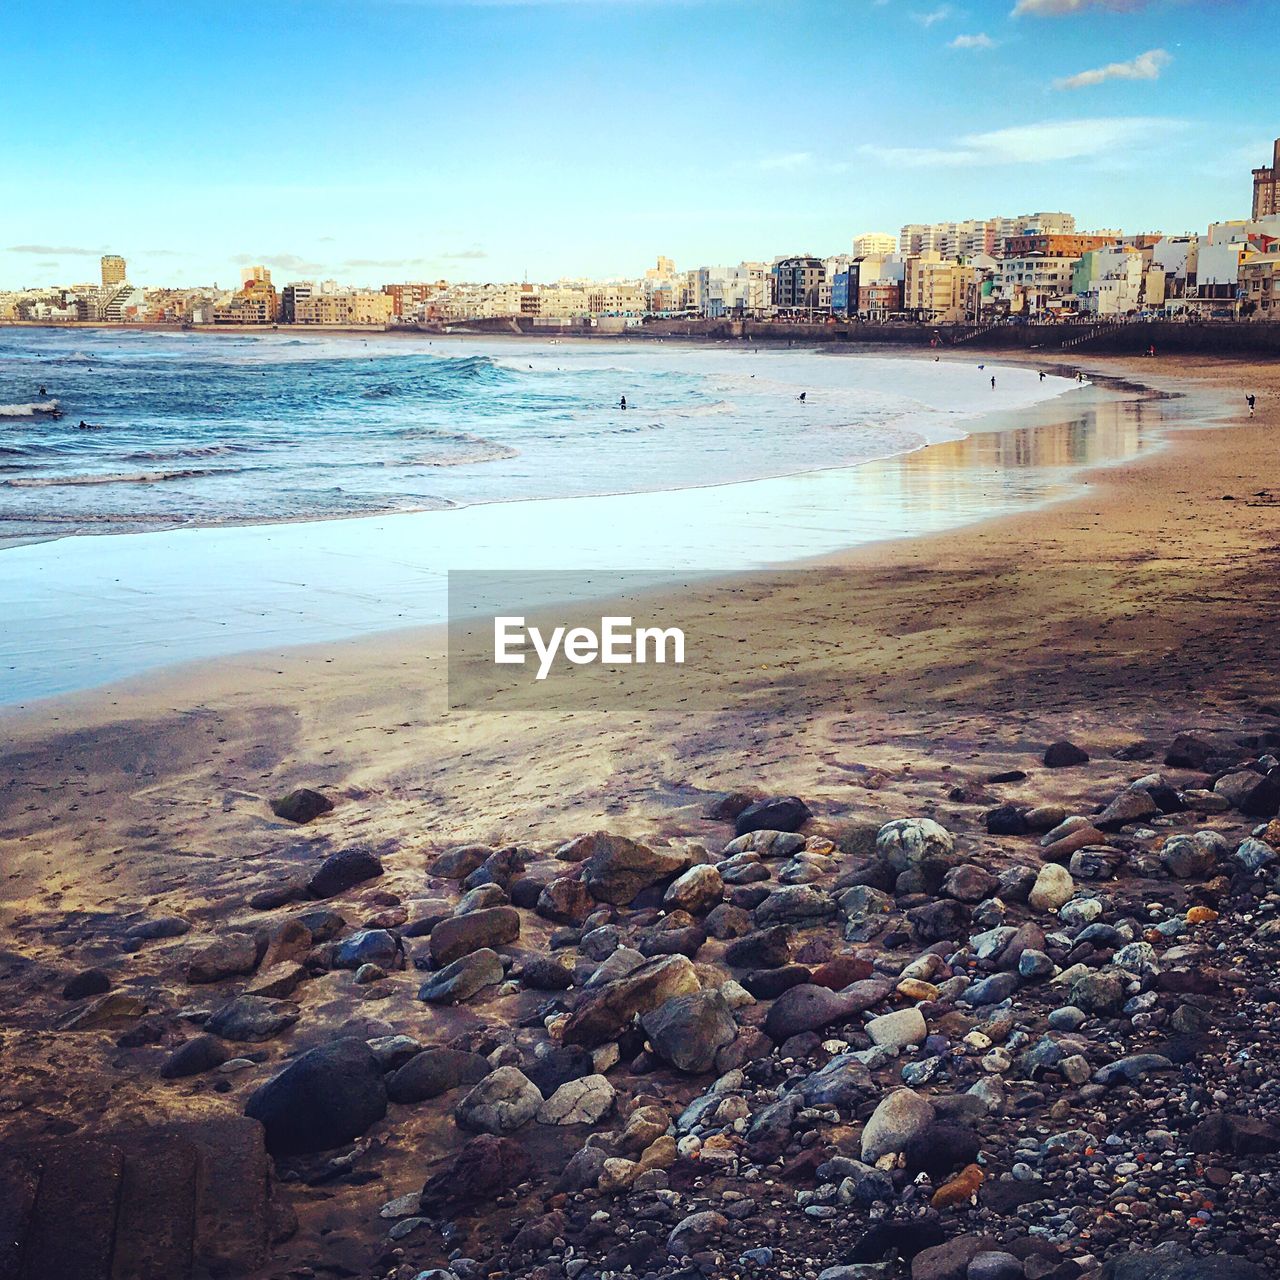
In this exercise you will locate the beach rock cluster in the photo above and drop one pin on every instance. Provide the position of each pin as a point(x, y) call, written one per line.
point(1029, 1041)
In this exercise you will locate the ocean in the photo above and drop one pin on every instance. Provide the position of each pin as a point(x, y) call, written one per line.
point(201, 429)
point(233, 493)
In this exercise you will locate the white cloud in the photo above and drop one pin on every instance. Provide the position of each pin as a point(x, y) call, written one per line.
point(940, 14)
point(980, 41)
point(1056, 8)
point(1146, 66)
point(1034, 143)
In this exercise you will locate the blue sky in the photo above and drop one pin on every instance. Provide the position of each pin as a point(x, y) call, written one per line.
point(377, 140)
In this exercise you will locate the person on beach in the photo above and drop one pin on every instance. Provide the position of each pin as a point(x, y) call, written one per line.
point(802, 396)
point(1041, 375)
point(623, 403)
point(993, 382)
point(1251, 401)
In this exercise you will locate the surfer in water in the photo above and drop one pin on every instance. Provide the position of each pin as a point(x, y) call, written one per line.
point(802, 396)
point(43, 392)
point(623, 403)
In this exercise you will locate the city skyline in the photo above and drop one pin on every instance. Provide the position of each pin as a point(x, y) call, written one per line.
point(591, 134)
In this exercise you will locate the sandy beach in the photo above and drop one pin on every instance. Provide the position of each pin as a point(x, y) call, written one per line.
point(888, 682)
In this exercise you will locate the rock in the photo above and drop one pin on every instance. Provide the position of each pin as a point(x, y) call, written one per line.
point(779, 813)
point(793, 903)
point(1095, 863)
point(1174, 1264)
point(1131, 1069)
point(328, 1096)
point(111, 1011)
point(459, 862)
point(161, 927)
point(545, 973)
point(995, 1265)
point(618, 868)
point(1007, 820)
point(501, 1103)
point(482, 1170)
point(1188, 857)
point(586, 1100)
point(806, 1008)
point(1239, 1135)
point(687, 1031)
point(940, 920)
point(289, 940)
point(767, 949)
point(253, 1018)
point(841, 971)
point(1064, 755)
point(726, 808)
point(88, 982)
point(993, 990)
point(201, 1054)
point(1053, 888)
point(1127, 807)
point(949, 1261)
point(897, 1030)
point(368, 946)
point(603, 1014)
point(460, 935)
point(434, 1072)
point(1102, 992)
point(696, 1232)
point(342, 871)
point(301, 806)
point(566, 901)
point(463, 978)
point(900, 1117)
point(1264, 800)
point(940, 1150)
point(968, 883)
point(1063, 846)
point(844, 1082)
point(278, 982)
point(696, 890)
point(916, 844)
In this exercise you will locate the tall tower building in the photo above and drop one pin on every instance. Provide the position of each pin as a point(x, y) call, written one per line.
point(1266, 188)
point(112, 270)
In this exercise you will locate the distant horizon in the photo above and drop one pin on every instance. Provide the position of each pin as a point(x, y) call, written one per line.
point(366, 140)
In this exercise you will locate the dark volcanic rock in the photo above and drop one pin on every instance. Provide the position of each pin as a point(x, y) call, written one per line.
point(460, 980)
point(435, 1071)
point(458, 936)
point(1064, 755)
point(688, 1031)
point(1174, 1264)
point(565, 900)
point(806, 1008)
point(342, 871)
point(251, 1018)
point(779, 813)
point(607, 1011)
point(89, 982)
point(196, 1056)
point(327, 1097)
point(481, 1170)
point(301, 805)
point(618, 868)
point(765, 949)
point(1007, 820)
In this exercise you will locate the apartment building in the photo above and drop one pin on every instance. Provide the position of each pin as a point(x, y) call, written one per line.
point(989, 235)
point(934, 286)
point(346, 307)
point(1260, 279)
point(113, 270)
point(256, 303)
point(1029, 282)
point(1266, 188)
point(616, 300)
point(871, 243)
point(797, 283)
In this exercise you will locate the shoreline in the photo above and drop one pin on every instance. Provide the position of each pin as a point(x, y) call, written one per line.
point(895, 681)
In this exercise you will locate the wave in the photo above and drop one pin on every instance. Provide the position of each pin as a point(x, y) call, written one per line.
point(34, 409)
point(195, 451)
point(136, 477)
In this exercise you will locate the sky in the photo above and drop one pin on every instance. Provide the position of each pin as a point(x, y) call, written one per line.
point(381, 140)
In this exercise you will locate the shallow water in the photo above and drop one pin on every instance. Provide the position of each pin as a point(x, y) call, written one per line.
point(87, 611)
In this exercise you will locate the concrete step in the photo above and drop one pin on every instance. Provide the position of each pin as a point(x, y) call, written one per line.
point(155, 1221)
point(232, 1197)
point(72, 1231)
point(19, 1181)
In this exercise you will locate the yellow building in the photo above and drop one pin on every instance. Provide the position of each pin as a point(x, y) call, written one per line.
point(617, 300)
point(358, 306)
point(113, 269)
point(1260, 280)
point(256, 303)
point(934, 285)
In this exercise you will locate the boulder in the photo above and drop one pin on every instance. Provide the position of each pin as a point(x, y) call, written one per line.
point(342, 871)
point(765, 949)
point(916, 844)
point(695, 891)
point(460, 980)
point(458, 936)
point(897, 1030)
point(434, 1071)
point(1168, 1263)
point(501, 1103)
point(900, 1117)
point(795, 903)
point(328, 1096)
point(694, 1233)
point(1064, 755)
point(483, 1169)
point(807, 1007)
point(605, 1013)
point(253, 1018)
point(618, 868)
point(565, 900)
point(1053, 888)
point(778, 813)
point(586, 1100)
point(201, 1054)
point(301, 806)
point(459, 862)
point(227, 957)
point(687, 1031)
point(368, 946)
point(1188, 857)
